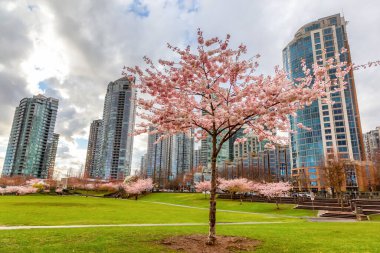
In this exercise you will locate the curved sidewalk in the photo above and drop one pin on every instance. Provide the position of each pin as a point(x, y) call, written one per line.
point(134, 225)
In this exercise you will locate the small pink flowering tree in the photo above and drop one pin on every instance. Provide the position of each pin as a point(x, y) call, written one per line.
point(275, 190)
point(233, 186)
point(2, 191)
point(214, 92)
point(204, 186)
point(138, 187)
point(19, 190)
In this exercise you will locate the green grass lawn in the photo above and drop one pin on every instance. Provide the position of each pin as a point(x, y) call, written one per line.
point(197, 199)
point(65, 210)
point(298, 237)
point(294, 235)
point(375, 217)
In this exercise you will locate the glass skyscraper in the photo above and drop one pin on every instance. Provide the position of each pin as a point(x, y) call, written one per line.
point(94, 150)
point(118, 125)
point(170, 158)
point(32, 143)
point(336, 129)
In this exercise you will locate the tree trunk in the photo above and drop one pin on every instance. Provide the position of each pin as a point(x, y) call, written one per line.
point(212, 212)
point(277, 204)
point(341, 200)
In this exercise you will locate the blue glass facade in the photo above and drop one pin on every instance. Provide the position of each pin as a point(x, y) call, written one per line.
point(32, 143)
point(335, 128)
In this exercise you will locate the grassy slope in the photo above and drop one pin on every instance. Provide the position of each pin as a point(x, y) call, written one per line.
point(55, 210)
point(197, 199)
point(375, 217)
point(299, 237)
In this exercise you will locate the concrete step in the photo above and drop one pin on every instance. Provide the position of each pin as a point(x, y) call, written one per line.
point(323, 204)
point(339, 215)
point(371, 211)
point(328, 208)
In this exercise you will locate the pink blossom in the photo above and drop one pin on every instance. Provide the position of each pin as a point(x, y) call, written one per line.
point(203, 186)
point(139, 187)
point(20, 190)
point(240, 140)
point(241, 185)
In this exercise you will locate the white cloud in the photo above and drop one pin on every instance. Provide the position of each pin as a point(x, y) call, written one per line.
point(77, 47)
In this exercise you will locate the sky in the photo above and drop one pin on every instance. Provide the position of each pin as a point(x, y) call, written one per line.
point(72, 49)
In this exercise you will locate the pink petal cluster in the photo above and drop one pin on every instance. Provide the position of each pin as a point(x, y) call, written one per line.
point(203, 186)
point(139, 186)
point(240, 185)
point(272, 190)
point(18, 190)
point(89, 186)
point(240, 140)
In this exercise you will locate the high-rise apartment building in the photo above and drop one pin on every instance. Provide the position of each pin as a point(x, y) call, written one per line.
point(32, 143)
point(252, 160)
point(92, 168)
point(118, 125)
point(52, 155)
point(225, 153)
point(159, 159)
point(372, 144)
point(336, 129)
point(143, 165)
point(182, 154)
point(170, 158)
point(196, 158)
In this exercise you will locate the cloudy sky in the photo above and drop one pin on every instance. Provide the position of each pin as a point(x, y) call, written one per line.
point(72, 49)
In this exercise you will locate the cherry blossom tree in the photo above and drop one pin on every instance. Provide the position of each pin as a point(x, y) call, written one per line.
point(214, 92)
point(20, 190)
point(138, 187)
point(275, 190)
point(241, 185)
point(204, 186)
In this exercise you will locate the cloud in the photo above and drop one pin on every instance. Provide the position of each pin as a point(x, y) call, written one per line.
point(71, 50)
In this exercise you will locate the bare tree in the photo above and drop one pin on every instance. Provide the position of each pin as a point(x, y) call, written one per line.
point(334, 173)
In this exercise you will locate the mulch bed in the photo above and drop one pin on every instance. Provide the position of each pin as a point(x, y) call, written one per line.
point(197, 244)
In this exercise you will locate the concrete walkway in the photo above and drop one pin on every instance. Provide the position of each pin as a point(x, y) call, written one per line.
point(308, 218)
point(135, 225)
point(229, 211)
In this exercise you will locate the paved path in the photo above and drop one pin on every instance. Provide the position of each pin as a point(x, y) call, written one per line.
point(228, 211)
point(135, 225)
point(309, 218)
